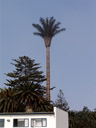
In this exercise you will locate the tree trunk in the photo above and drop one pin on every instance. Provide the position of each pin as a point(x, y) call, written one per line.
point(28, 109)
point(48, 72)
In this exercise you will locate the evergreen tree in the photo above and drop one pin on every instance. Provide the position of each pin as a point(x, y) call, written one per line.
point(27, 71)
point(25, 89)
point(82, 119)
point(61, 101)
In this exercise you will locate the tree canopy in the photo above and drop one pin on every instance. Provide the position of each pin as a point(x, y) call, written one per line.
point(48, 28)
point(26, 71)
point(24, 92)
point(82, 119)
point(61, 101)
point(25, 89)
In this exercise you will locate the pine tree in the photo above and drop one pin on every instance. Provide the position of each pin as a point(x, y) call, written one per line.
point(61, 101)
point(26, 88)
point(27, 71)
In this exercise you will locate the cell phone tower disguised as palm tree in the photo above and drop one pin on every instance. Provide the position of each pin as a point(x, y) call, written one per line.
point(48, 28)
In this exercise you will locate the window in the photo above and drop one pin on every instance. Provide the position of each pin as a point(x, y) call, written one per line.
point(40, 122)
point(20, 122)
point(1, 123)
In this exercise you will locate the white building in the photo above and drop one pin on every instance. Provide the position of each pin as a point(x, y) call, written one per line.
point(56, 119)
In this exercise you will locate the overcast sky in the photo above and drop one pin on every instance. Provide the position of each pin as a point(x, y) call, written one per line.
point(73, 52)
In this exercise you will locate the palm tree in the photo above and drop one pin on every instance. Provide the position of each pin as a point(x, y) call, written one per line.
point(7, 102)
point(47, 30)
point(32, 96)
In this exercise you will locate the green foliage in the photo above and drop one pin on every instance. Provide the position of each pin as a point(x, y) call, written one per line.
point(77, 119)
point(27, 71)
point(25, 88)
point(82, 119)
point(61, 101)
point(32, 95)
point(8, 102)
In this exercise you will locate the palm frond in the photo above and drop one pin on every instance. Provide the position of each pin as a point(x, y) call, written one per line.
point(38, 27)
point(56, 32)
point(55, 28)
point(38, 34)
point(43, 22)
point(48, 27)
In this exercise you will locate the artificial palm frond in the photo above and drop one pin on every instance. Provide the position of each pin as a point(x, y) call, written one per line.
point(48, 28)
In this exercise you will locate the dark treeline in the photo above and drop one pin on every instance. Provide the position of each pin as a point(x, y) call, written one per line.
point(82, 119)
point(25, 92)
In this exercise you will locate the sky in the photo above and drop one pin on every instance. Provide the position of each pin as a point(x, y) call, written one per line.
point(72, 52)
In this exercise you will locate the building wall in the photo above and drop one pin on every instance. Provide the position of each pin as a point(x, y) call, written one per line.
point(61, 118)
point(9, 120)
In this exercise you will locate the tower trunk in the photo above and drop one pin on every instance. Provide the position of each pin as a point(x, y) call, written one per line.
point(48, 72)
point(47, 44)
